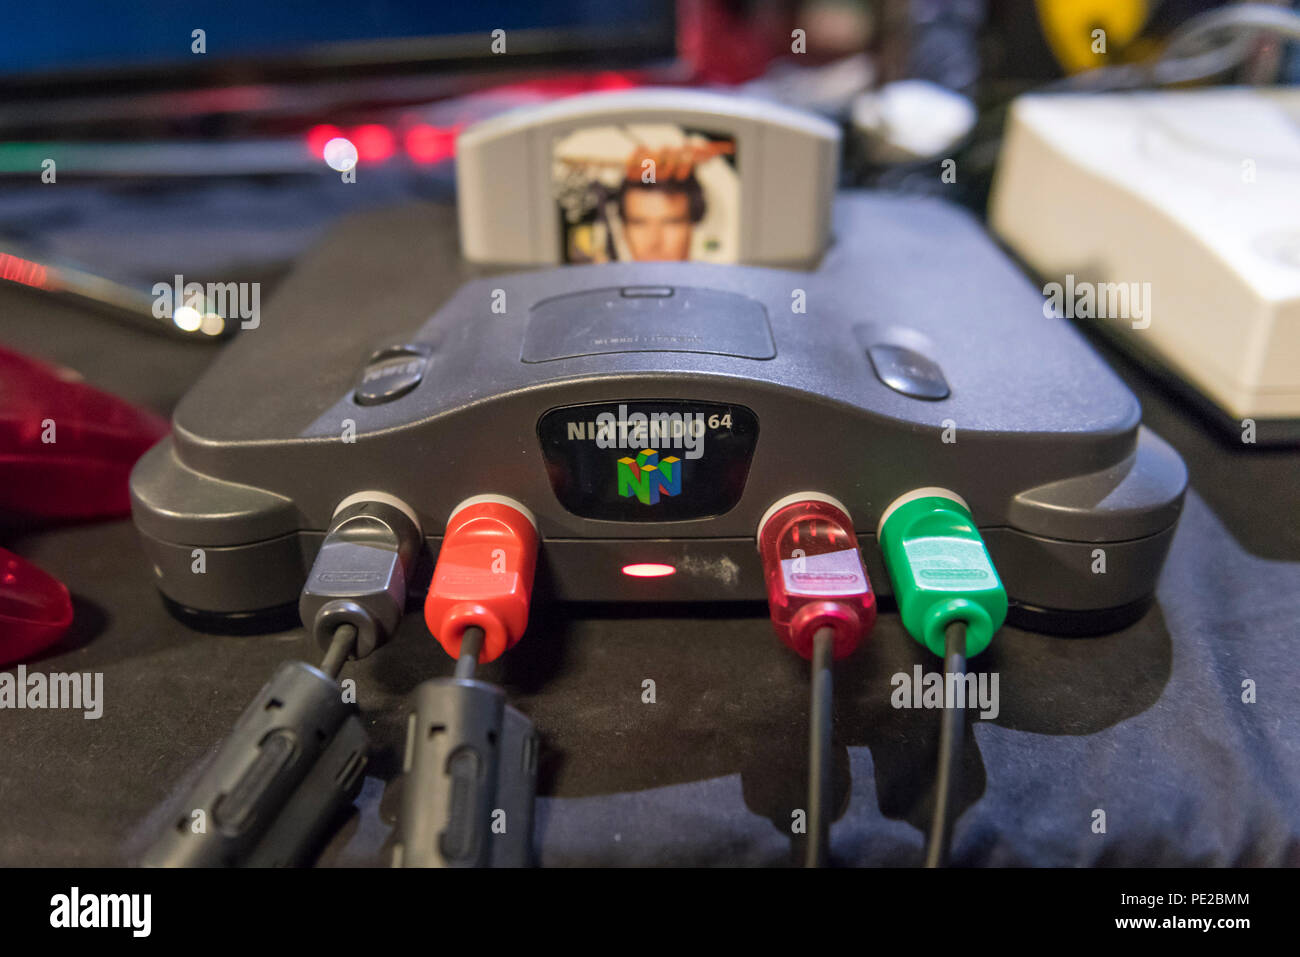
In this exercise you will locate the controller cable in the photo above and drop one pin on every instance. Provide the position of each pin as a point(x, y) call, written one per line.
point(297, 754)
point(470, 759)
point(819, 751)
point(951, 601)
point(950, 736)
point(822, 607)
point(471, 645)
point(340, 649)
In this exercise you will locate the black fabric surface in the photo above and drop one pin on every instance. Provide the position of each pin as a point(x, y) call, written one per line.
point(1147, 724)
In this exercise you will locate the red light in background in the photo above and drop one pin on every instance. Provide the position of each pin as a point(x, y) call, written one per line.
point(374, 143)
point(648, 570)
point(429, 144)
point(318, 136)
point(609, 80)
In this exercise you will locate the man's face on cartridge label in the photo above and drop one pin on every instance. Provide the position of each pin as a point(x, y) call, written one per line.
point(657, 224)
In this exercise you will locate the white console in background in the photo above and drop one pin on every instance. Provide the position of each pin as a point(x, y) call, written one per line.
point(1196, 193)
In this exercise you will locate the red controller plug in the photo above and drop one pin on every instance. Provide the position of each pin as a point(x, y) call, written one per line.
point(814, 573)
point(484, 575)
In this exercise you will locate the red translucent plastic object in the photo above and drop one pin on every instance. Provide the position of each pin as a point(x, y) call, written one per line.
point(815, 576)
point(66, 448)
point(35, 609)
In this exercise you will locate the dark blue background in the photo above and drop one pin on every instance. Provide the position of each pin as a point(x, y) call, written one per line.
point(67, 34)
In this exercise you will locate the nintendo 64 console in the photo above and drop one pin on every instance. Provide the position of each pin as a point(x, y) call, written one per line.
point(649, 413)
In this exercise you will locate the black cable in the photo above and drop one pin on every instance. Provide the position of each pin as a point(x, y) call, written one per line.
point(341, 646)
point(950, 735)
point(819, 751)
point(471, 644)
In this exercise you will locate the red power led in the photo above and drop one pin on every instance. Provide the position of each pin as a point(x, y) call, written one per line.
point(484, 575)
point(814, 573)
point(648, 570)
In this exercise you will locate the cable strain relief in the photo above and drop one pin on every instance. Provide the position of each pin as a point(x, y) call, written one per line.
point(451, 630)
point(979, 626)
point(844, 619)
point(341, 611)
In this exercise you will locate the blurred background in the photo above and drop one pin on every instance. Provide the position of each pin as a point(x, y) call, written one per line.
point(189, 140)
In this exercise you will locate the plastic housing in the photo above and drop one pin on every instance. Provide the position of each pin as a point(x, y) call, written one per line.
point(484, 577)
point(815, 577)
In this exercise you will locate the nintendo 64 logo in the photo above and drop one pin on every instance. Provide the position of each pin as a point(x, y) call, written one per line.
point(648, 476)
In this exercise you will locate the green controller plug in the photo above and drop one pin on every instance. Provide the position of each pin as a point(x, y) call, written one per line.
point(940, 569)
